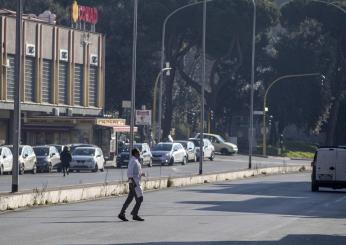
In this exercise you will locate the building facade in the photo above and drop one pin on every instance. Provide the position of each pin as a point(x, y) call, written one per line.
point(62, 78)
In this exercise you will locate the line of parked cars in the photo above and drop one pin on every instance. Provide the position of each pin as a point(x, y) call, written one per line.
point(179, 151)
point(46, 158)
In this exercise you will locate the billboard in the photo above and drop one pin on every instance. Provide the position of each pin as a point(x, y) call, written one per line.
point(143, 117)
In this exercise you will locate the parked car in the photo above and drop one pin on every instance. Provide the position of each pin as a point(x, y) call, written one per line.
point(87, 158)
point(145, 155)
point(190, 149)
point(6, 160)
point(329, 168)
point(72, 147)
point(220, 145)
point(27, 159)
point(48, 158)
point(208, 148)
point(58, 147)
point(169, 153)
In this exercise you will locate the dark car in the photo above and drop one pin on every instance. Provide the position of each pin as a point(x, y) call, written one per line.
point(145, 155)
point(48, 158)
point(190, 149)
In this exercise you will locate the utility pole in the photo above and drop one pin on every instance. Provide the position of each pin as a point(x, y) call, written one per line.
point(17, 92)
point(134, 67)
point(202, 88)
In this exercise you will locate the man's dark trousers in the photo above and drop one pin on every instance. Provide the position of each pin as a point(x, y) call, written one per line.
point(132, 194)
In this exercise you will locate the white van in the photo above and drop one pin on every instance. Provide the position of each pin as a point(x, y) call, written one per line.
point(329, 168)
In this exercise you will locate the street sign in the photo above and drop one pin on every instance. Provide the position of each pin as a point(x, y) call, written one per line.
point(143, 117)
point(126, 104)
point(258, 112)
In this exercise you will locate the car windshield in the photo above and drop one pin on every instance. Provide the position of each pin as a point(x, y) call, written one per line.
point(83, 152)
point(163, 147)
point(222, 140)
point(20, 150)
point(41, 151)
point(183, 143)
point(196, 142)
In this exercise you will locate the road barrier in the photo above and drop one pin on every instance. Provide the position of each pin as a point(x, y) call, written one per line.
point(70, 194)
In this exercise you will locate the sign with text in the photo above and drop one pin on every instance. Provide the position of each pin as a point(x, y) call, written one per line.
point(143, 117)
point(84, 13)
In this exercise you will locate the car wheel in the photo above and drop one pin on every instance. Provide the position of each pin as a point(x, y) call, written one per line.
point(21, 169)
point(171, 162)
point(314, 186)
point(211, 158)
point(96, 168)
point(34, 170)
point(224, 151)
point(184, 161)
point(150, 164)
point(103, 167)
point(49, 168)
point(59, 170)
point(1, 170)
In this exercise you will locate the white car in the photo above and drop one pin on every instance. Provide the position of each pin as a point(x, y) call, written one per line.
point(87, 158)
point(208, 148)
point(225, 148)
point(169, 153)
point(6, 160)
point(27, 159)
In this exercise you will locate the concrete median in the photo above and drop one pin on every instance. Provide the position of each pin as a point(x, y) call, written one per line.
point(70, 194)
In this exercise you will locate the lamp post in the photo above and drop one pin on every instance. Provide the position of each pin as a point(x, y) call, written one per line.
point(154, 96)
point(163, 58)
point(264, 141)
point(251, 133)
point(201, 146)
point(133, 81)
point(17, 90)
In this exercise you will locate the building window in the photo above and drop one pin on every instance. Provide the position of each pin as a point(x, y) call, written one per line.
point(78, 84)
point(63, 83)
point(29, 79)
point(47, 81)
point(92, 86)
point(10, 78)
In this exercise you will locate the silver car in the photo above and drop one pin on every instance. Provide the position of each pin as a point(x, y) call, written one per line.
point(6, 160)
point(169, 153)
point(87, 158)
point(48, 158)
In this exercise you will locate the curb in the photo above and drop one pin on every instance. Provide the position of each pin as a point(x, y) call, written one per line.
point(72, 194)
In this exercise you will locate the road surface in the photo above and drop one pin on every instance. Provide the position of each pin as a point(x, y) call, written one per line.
point(275, 210)
point(29, 181)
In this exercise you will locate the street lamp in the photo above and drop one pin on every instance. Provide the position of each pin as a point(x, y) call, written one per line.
point(154, 97)
point(163, 58)
point(252, 82)
point(264, 141)
point(134, 69)
point(17, 90)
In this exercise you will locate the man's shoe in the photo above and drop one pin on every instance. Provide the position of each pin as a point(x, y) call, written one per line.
point(136, 217)
point(122, 217)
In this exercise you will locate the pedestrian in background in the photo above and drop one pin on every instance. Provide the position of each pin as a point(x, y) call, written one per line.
point(65, 158)
point(134, 174)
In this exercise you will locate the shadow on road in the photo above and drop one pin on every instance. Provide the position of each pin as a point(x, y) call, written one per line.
point(281, 198)
point(287, 240)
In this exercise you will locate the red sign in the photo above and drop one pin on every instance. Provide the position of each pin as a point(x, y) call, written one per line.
point(87, 14)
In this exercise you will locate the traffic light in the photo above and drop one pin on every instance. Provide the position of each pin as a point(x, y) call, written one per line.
point(211, 115)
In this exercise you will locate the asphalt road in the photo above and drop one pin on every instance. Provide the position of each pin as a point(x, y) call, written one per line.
point(276, 210)
point(29, 181)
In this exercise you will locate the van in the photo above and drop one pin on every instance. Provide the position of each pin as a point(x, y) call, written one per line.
point(329, 168)
point(220, 145)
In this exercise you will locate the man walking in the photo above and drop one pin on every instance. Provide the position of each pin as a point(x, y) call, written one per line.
point(65, 158)
point(134, 174)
